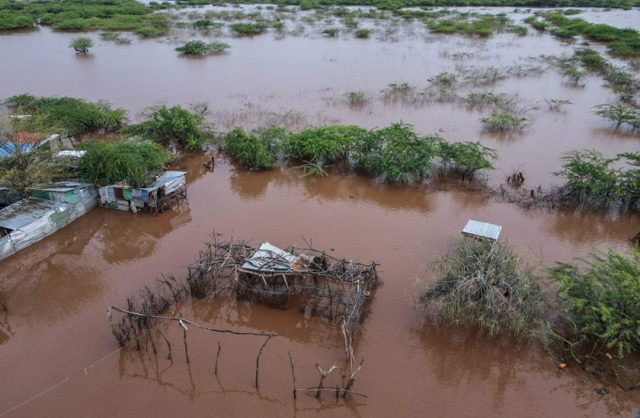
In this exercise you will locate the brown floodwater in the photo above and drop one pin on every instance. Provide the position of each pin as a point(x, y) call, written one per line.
point(55, 337)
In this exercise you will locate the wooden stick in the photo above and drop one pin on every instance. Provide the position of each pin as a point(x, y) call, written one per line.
point(308, 390)
point(258, 358)
point(187, 322)
point(165, 338)
point(217, 357)
point(293, 372)
point(323, 374)
point(184, 329)
point(352, 379)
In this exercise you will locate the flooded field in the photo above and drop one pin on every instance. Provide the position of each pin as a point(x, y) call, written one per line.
point(58, 356)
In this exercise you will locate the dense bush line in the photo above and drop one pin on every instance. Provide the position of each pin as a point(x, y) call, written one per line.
point(622, 42)
point(395, 153)
point(72, 116)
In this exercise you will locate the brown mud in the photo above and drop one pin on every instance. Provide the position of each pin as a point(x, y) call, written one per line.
point(55, 332)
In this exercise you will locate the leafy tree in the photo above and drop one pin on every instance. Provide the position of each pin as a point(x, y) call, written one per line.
point(620, 115)
point(331, 31)
point(81, 44)
point(487, 284)
point(187, 128)
point(128, 161)
point(502, 122)
point(26, 163)
point(601, 300)
point(362, 33)
point(466, 158)
point(328, 143)
point(248, 28)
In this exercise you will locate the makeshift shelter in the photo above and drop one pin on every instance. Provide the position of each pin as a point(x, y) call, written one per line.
point(482, 230)
point(49, 209)
point(337, 289)
point(167, 190)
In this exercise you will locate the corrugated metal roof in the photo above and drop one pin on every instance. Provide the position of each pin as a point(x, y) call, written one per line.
point(270, 259)
point(482, 230)
point(165, 178)
point(27, 211)
point(63, 186)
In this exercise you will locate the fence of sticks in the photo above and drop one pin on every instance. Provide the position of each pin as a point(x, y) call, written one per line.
point(333, 288)
point(336, 289)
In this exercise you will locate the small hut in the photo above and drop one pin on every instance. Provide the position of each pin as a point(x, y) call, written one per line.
point(167, 190)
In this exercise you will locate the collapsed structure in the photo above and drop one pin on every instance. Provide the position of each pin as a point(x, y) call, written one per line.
point(336, 289)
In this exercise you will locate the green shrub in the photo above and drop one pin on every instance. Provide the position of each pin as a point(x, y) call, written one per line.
point(601, 300)
point(163, 124)
point(15, 20)
point(203, 24)
point(199, 47)
point(540, 25)
point(81, 44)
point(466, 158)
point(248, 28)
point(127, 161)
point(362, 33)
point(149, 32)
point(396, 153)
point(486, 284)
point(250, 149)
point(621, 115)
point(110, 36)
point(326, 144)
point(503, 122)
point(74, 116)
point(331, 31)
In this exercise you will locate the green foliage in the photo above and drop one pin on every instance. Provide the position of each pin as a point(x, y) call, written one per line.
point(503, 122)
point(594, 179)
point(356, 98)
point(397, 153)
point(601, 299)
point(486, 284)
point(466, 158)
point(81, 44)
point(623, 42)
point(199, 47)
point(149, 32)
point(621, 115)
point(24, 166)
point(444, 79)
point(250, 149)
point(331, 31)
point(126, 161)
point(110, 36)
point(248, 28)
point(362, 33)
point(278, 26)
point(187, 128)
point(10, 19)
point(327, 143)
point(71, 116)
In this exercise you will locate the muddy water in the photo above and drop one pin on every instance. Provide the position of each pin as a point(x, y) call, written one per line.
point(55, 334)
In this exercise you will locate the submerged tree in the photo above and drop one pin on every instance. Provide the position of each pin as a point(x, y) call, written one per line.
point(601, 301)
point(487, 284)
point(199, 47)
point(81, 44)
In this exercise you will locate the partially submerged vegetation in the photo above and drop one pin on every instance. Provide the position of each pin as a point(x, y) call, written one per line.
point(200, 48)
point(188, 128)
point(487, 284)
point(69, 115)
point(126, 161)
point(394, 153)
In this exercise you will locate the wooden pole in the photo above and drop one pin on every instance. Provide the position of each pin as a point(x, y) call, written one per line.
point(258, 358)
point(293, 372)
point(184, 329)
point(323, 375)
point(217, 357)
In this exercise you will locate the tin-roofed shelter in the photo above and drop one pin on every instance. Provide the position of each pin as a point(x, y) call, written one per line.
point(165, 191)
point(483, 230)
point(50, 208)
